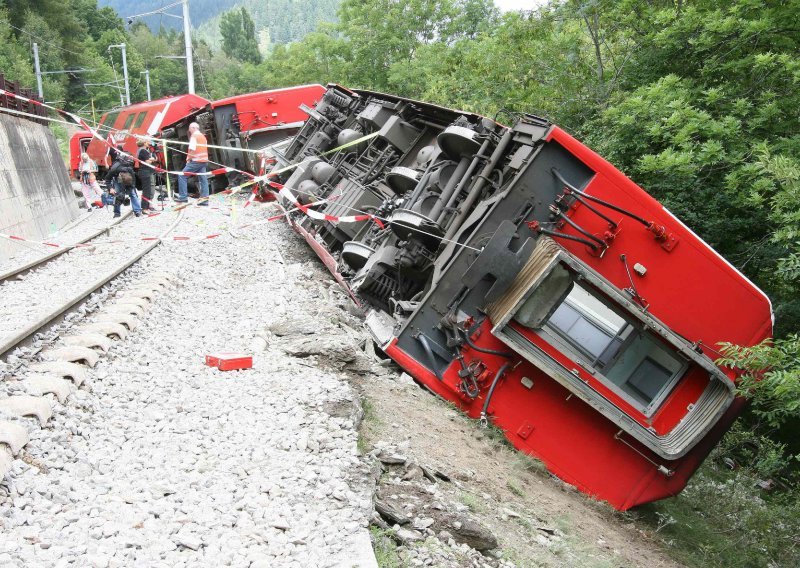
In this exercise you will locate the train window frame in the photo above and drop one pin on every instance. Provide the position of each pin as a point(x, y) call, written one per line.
point(140, 119)
point(600, 314)
point(129, 121)
point(547, 256)
point(109, 121)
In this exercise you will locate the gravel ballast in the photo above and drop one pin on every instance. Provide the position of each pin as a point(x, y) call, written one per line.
point(159, 460)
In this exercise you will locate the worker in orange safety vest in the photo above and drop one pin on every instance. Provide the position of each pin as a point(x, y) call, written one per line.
point(196, 163)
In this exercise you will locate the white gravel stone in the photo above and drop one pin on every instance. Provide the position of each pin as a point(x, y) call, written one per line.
point(164, 461)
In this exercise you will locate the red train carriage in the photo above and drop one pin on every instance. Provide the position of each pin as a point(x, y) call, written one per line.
point(256, 120)
point(150, 118)
point(244, 122)
point(516, 273)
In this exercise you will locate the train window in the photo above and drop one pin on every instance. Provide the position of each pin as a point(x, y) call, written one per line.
point(128, 121)
point(600, 336)
point(140, 119)
point(107, 124)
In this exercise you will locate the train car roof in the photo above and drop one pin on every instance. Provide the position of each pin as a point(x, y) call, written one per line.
point(275, 108)
point(168, 110)
point(239, 98)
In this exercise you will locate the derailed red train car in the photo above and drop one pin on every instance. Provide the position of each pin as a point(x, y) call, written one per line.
point(518, 274)
point(234, 127)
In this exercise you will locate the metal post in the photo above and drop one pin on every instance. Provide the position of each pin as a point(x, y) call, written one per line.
point(125, 73)
point(187, 37)
point(166, 167)
point(147, 80)
point(38, 70)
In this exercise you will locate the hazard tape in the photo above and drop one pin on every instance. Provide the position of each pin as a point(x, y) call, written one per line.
point(283, 191)
point(95, 134)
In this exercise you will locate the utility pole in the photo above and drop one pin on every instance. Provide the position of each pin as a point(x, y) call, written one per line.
point(187, 36)
point(38, 70)
point(124, 72)
point(147, 80)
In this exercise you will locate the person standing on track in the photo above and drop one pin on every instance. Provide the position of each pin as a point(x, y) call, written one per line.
point(125, 190)
point(196, 163)
point(145, 174)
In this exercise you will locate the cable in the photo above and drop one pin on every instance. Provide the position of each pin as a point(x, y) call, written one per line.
point(38, 39)
point(496, 380)
point(616, 208)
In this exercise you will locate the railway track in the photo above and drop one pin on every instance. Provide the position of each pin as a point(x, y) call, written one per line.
point(36, 303)
point(38, 262)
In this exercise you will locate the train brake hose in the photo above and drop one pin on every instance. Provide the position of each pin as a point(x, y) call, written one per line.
point(500, 372)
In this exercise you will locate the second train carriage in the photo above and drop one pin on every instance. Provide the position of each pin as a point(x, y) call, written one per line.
point(237, 125)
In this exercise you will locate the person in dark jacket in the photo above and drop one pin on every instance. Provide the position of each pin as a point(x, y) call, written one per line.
point(145, 174)
point(123, 187)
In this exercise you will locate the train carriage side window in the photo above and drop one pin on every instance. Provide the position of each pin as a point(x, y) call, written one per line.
point(140, 119)
point(584, 324)
point(128, 121)
point(107, 124)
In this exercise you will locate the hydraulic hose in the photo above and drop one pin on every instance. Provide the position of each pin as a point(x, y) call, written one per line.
point(429, 352)
point(500, 372)
point(617, 208)
point(485, 350)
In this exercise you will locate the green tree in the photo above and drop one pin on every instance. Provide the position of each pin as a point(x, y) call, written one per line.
point(239, 36)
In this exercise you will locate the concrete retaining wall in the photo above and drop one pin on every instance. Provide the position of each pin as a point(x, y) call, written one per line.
point(35, 191)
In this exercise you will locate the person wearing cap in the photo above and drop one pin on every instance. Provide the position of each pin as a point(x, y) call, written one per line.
point(196, 163)
point(145, 173)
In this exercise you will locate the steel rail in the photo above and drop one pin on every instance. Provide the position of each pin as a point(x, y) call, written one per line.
point(22, 336)
point(42, 260)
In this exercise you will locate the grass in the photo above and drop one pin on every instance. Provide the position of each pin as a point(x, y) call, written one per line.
point(385, 548)
point(472, 502)
point(528, 463)
point(370, 416)
point(515, 488)
point(721, 519)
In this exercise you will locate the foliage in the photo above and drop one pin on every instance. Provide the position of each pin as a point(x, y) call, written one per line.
point(724, 519)
point(277, 22)
point(774, 392)
point(239, 36)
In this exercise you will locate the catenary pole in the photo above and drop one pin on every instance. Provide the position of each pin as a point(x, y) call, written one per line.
point(187, 37)
point(125, 74)
point(147, 81)
point(38, 69)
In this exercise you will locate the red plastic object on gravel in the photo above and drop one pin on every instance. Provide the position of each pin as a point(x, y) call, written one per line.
point(229, 361)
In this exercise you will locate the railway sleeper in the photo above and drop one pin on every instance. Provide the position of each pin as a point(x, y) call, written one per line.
point(13, 435)
point(72, 354)
point(125, 308)
point(121, 318)
point(157, 281)
point(62, 369)
point(26, 405)
point(6, 459)
point(88, 340)
point(148, 293)
point(40, 385)
point(141, 302)
point(107, 328)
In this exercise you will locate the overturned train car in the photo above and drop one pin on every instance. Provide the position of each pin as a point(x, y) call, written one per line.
point(515, 272)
